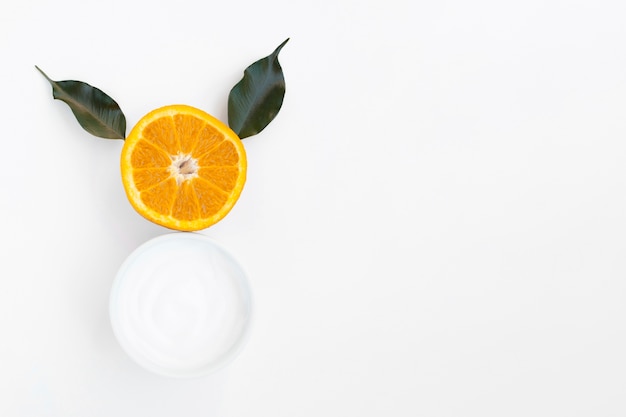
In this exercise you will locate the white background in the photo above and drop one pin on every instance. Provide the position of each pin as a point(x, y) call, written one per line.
point(434, 224)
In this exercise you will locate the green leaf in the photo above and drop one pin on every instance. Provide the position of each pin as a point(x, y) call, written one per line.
point(255, 100)
point(96, 112)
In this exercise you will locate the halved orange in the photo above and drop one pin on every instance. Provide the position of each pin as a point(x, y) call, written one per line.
point(183, 168)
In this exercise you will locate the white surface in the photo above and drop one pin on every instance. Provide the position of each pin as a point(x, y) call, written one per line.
point(181, 306)
point(433, 225)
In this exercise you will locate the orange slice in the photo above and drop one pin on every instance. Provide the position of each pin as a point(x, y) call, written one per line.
point(182, 168)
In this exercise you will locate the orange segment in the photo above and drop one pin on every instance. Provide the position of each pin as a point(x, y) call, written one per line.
point(223, 177)
point(208, 138)
point(182, 168)
point(186, 203)
point(188, 126)
point(162, 133)
point(149, 177)
point(210, 197)
point(146, 155)
point(224, 154)
point(161, 197)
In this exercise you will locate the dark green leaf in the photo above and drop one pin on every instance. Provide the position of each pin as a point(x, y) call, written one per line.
point(256, 99)
point(96, 112)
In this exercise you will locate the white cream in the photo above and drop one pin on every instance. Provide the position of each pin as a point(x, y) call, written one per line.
point(180, 305)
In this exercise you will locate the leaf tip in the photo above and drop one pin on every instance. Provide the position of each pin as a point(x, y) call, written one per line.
point(280, 47)
point(43, 73)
